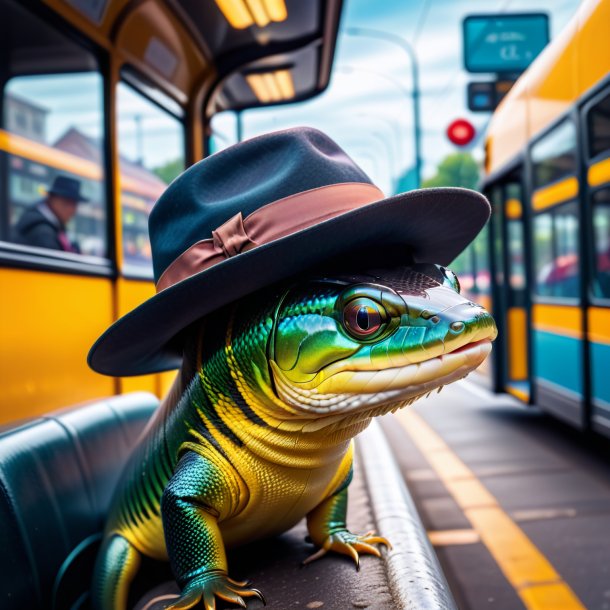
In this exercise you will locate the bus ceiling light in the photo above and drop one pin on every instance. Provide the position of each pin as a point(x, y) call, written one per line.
point(272, 86)
point(242, 14)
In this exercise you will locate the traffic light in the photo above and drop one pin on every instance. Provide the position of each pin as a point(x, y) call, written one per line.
point(461, 132)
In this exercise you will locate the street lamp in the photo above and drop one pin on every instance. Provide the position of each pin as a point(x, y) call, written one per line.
point(408, 49)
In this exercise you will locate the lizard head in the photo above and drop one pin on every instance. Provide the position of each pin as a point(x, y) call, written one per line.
point(371, 343)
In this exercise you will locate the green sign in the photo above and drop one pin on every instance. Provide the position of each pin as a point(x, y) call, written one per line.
point(504, 43)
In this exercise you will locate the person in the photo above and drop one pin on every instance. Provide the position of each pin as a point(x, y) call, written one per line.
point(44, 224)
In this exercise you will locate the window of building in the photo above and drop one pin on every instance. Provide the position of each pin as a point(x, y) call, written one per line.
point(54, 193)
point(554, 155)
point(151, 151)
point(556, 252)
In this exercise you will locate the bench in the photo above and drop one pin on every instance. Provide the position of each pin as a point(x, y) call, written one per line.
point(57, 477)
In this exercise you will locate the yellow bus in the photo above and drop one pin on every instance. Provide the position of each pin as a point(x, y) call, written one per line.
point(547, 174)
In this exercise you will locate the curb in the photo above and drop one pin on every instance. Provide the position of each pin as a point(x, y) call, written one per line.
point(416, 579)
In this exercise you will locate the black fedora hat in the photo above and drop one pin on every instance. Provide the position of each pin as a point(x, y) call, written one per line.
point(64, 186)
point(260, 212)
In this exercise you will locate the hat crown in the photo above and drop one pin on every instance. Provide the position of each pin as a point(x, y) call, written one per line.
point(243, 178)
point(65, 186)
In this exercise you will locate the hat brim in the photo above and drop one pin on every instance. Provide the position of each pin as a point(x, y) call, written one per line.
point(436, 224)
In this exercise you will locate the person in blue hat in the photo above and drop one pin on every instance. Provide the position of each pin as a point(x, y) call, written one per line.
point(44, 224)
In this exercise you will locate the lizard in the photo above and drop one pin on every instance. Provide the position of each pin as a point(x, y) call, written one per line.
point(257, 431)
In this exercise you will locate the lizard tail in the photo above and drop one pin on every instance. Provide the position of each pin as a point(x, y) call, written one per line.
point(117, 564)
point(69, 579)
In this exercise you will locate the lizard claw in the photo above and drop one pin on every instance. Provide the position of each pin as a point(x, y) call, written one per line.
point(203, 591)
point(349, 544)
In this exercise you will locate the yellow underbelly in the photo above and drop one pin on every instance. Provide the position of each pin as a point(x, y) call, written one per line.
point(278, 498)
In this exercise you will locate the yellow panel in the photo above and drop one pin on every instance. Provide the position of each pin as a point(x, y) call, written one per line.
point(514, 209)
point(552, 82)
point(593, 43)
point(599, 173)
point(130, 293)
point(166, 381)
point(517, 350)
point(48, 323)
point(560, 319)
point(599, 324)
point(555, 193)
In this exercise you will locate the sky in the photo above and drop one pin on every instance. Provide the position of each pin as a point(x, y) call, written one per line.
point(367, 107)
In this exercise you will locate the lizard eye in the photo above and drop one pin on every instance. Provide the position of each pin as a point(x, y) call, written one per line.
point(363, 317)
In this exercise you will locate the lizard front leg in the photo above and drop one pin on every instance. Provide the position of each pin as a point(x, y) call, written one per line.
point(327, 528)
point(195, 498)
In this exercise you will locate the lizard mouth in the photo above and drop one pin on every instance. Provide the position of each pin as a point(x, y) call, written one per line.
point(350, 390)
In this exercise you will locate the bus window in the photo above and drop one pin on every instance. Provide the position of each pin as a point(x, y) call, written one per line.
point(601, 243)
point(598, 120)
point(151, 151)
point(554, 155)
point(51, 140)
point(556, 252)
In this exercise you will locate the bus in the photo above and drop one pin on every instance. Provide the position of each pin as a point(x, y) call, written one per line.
point(547, 247)
point(119, 96)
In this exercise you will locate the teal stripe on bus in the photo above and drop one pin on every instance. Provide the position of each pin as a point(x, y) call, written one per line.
point(558, 359)
point(600, 372)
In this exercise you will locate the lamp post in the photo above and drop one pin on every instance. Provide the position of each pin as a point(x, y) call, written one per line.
point(408, 49)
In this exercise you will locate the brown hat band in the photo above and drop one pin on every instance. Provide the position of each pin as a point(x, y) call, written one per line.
point(270, 222)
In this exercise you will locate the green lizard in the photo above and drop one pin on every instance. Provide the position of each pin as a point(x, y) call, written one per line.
point(257, 431)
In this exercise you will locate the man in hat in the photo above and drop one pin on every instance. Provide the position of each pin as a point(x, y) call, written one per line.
point(44, 224)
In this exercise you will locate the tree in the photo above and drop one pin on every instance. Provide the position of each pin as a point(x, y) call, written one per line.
point(456, 169)
point(169, 170)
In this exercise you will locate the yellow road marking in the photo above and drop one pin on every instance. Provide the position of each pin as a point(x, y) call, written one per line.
point(452, 537)
point(530, 573)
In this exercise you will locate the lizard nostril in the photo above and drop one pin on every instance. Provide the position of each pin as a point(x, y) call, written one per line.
point(457, 327)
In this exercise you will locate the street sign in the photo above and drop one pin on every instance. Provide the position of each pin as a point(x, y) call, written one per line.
point(503, 43)
point(485, 96)
point(461, 132)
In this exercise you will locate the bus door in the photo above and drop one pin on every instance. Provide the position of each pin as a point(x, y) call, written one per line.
point(596, 127)
point(516, 306)
point(557, 320)
point(508, 249)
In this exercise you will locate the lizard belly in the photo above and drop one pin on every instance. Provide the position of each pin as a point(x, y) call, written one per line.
point(279, 498)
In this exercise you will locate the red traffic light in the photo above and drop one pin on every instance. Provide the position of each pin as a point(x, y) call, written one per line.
point(461, 132)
